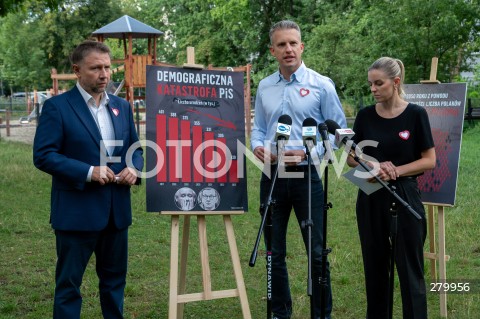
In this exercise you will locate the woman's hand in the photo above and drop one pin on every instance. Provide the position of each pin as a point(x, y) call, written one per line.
point(387, 172)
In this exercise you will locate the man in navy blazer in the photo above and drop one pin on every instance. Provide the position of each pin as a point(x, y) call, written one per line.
point(86, 140)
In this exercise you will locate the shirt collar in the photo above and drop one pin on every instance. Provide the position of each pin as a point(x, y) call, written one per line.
point(296, 76)
point(87, 97)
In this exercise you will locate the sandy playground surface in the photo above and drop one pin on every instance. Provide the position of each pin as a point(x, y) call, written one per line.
point(19, 132)
point(26, 132)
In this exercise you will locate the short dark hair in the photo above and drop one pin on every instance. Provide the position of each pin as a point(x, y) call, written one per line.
point(87, 46)
point(284, 25)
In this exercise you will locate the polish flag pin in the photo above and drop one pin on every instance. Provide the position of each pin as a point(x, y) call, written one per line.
point(115, 111)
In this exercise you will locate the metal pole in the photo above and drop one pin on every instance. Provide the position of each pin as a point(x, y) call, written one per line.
point(7, 115)
point(137, 115)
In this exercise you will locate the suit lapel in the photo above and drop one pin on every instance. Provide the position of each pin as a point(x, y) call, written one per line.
point(80, 108)
point(116, 115)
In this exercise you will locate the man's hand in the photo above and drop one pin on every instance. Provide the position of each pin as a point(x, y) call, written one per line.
point(293, 157)
point(128, 176)
point(103, 175)
point(264, 155)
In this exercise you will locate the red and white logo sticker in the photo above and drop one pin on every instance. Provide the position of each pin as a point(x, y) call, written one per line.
point(304, 92)
point(404, 135)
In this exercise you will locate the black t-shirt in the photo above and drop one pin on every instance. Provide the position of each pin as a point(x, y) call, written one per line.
point(400, 139)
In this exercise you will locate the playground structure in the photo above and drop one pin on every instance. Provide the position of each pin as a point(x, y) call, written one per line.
point(127, 29)
point(134, 66)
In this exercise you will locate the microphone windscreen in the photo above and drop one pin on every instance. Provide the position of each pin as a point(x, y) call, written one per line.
point(309, 122)
point(332, 126)
point(285, 119)
point(309, 131)
point(284, 127)
point(322, 127)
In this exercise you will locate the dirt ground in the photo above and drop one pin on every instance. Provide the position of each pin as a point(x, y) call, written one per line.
point(26, 132)
point(19, 132)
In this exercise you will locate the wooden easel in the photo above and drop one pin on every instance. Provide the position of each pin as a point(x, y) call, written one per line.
point(178, 297)
point(441, 257)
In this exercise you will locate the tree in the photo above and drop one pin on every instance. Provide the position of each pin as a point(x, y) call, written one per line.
point(74, 22)
point(413, 31)
point(23, 62)
point(37, 39)
point(215, 28)
point(12, 6)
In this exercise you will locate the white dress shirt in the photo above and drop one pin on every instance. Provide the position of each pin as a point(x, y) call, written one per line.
point(102, 117)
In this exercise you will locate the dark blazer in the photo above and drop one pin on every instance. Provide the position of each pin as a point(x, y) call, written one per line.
point(66, 144)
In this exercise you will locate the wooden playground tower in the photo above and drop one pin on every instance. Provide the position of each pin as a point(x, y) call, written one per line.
point(125, 29)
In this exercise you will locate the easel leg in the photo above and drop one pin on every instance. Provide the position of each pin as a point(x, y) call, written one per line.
point(183, 264)
point(236, 267)
point(202, 236)
point(172, 309)
point(178, 297)
point(442, 259)
point(431, 240)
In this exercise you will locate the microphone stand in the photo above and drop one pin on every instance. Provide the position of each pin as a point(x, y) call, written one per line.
point(309, 223)
point(325, 251)
point(266, 223)
point(393, 225)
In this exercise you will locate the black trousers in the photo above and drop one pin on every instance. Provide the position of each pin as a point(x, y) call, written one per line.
point(373, 218)
point(291, 193)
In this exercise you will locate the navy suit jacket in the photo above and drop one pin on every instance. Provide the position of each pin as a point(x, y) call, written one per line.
point(66, 145)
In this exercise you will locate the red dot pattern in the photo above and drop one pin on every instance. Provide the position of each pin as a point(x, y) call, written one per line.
point(433, 179)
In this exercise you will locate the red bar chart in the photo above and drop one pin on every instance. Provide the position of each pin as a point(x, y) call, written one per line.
point(192, 153)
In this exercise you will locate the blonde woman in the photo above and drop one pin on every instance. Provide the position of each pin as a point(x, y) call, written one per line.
point(405, 150)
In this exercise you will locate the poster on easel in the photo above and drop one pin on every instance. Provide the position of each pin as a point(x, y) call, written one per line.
point(445, 105)
point(195, 119)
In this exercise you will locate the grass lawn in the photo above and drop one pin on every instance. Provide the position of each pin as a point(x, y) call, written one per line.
point(27, 248)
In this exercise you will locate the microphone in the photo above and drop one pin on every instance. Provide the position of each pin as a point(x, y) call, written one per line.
point(342, 135)
point(309, 132)
point(323, 129)
point(282, 134)
point(283, 127)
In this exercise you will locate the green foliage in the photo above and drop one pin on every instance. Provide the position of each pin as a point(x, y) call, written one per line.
point(7, 6)
point(73, 23)
point(35, 40)
point(474, 83)
point(413, 31)
point(23, 62)
point(215, 28)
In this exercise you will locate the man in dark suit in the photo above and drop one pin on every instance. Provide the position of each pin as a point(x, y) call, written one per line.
point(86, 140)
